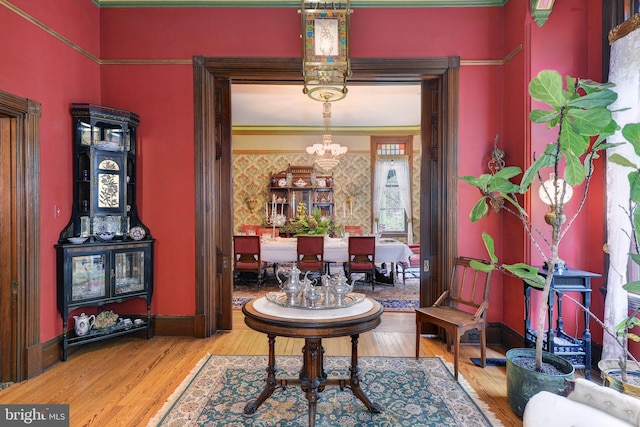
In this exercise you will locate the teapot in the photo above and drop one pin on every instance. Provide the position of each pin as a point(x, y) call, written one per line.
point(83, 323)
point(341, 288)
point(293, 286)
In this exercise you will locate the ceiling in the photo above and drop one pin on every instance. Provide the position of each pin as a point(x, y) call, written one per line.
point(286, 105)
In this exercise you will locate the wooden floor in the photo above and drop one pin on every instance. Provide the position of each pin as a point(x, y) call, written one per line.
point(125, 381)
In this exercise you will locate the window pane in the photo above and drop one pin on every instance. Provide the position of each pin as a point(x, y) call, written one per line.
point(392, 218)
point(395, 149)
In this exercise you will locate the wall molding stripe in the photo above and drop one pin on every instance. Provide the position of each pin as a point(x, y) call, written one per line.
point(296, 3)
point(188, 62)
point(48, 30)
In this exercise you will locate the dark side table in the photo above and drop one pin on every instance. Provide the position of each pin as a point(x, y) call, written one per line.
point(313, 326)
point(575, 350)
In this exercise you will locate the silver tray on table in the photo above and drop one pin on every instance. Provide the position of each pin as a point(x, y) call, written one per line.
point(281, 299)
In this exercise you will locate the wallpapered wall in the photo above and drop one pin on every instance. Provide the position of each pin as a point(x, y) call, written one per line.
point(351, 177)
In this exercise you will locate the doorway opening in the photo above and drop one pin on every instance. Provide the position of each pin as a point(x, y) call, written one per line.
point(438, 78)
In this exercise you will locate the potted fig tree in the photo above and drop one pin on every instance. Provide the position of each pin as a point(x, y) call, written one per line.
point(579, 113)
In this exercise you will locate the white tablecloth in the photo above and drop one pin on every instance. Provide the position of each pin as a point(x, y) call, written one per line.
point(335, 250)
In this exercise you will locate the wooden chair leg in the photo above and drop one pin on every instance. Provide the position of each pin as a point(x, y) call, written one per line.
point(456, 350)
point(483, 345)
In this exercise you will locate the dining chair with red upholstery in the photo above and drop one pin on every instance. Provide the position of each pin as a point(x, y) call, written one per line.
point(250, 229)
point(412, 266)
point(353, 230)
point(246, 257)
point(362, 258)
point(274, 232)
point(310, 251)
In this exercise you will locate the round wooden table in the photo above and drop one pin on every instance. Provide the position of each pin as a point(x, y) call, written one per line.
point(313, 325)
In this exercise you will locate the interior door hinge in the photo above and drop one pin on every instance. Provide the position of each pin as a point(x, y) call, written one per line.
point(14, 287)
point(426, 266)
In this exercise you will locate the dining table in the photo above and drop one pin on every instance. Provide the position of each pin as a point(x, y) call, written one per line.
point(336, 250)
point(278, 250)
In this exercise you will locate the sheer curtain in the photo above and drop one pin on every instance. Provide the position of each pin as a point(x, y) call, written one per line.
point(625, 73)
point(404, 183)
point(401, 165)
point(379, 184)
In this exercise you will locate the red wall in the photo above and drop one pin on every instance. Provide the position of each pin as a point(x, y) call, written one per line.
point(492, 101)
point(35, 65)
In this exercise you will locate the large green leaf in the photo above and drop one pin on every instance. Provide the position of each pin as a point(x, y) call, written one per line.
point(527, 273)
point(634, 186)
point(570, 139)
point(635, 258)
point(602, 98)
point(502, 185)
point(590, 85)
point(619, 159)
point(508, 172)
point(547, 87)
point(490, 245)
point(631, 132)
point(574, 173)
point(636, 228)
point(481, 266)
point(590, 122)
point(479, 210)
point(545, 160)
point(543, 116)
point(481, 182)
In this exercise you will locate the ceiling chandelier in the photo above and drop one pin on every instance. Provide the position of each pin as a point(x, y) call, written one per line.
point(327, 154)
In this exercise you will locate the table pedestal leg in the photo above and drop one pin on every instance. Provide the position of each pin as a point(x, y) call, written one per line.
point(271, 385)
point(354, 380)
point(312, 376)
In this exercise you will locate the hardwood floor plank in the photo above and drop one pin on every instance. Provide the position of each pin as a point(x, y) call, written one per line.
point(125, 382)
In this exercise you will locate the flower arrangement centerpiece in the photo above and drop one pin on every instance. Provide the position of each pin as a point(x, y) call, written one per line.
point(304, 223)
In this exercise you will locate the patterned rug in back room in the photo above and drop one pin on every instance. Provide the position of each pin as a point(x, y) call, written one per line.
point(397, 297)
point(410, 392)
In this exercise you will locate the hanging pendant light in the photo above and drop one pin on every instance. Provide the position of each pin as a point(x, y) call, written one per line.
point(325, 47)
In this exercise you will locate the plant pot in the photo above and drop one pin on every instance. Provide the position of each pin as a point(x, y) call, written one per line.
point(522, 383)
point(610, 369)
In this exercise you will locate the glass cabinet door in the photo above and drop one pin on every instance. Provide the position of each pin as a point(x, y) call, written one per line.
point(88, 277)
point(129, 270)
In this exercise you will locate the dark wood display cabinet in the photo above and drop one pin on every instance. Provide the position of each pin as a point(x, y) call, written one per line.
point(105, 253)
point(301, 184)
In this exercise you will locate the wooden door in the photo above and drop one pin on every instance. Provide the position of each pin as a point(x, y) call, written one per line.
point(8, 344)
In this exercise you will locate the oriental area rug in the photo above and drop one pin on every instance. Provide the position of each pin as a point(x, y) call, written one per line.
point(401, 296)
point(410, 392)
